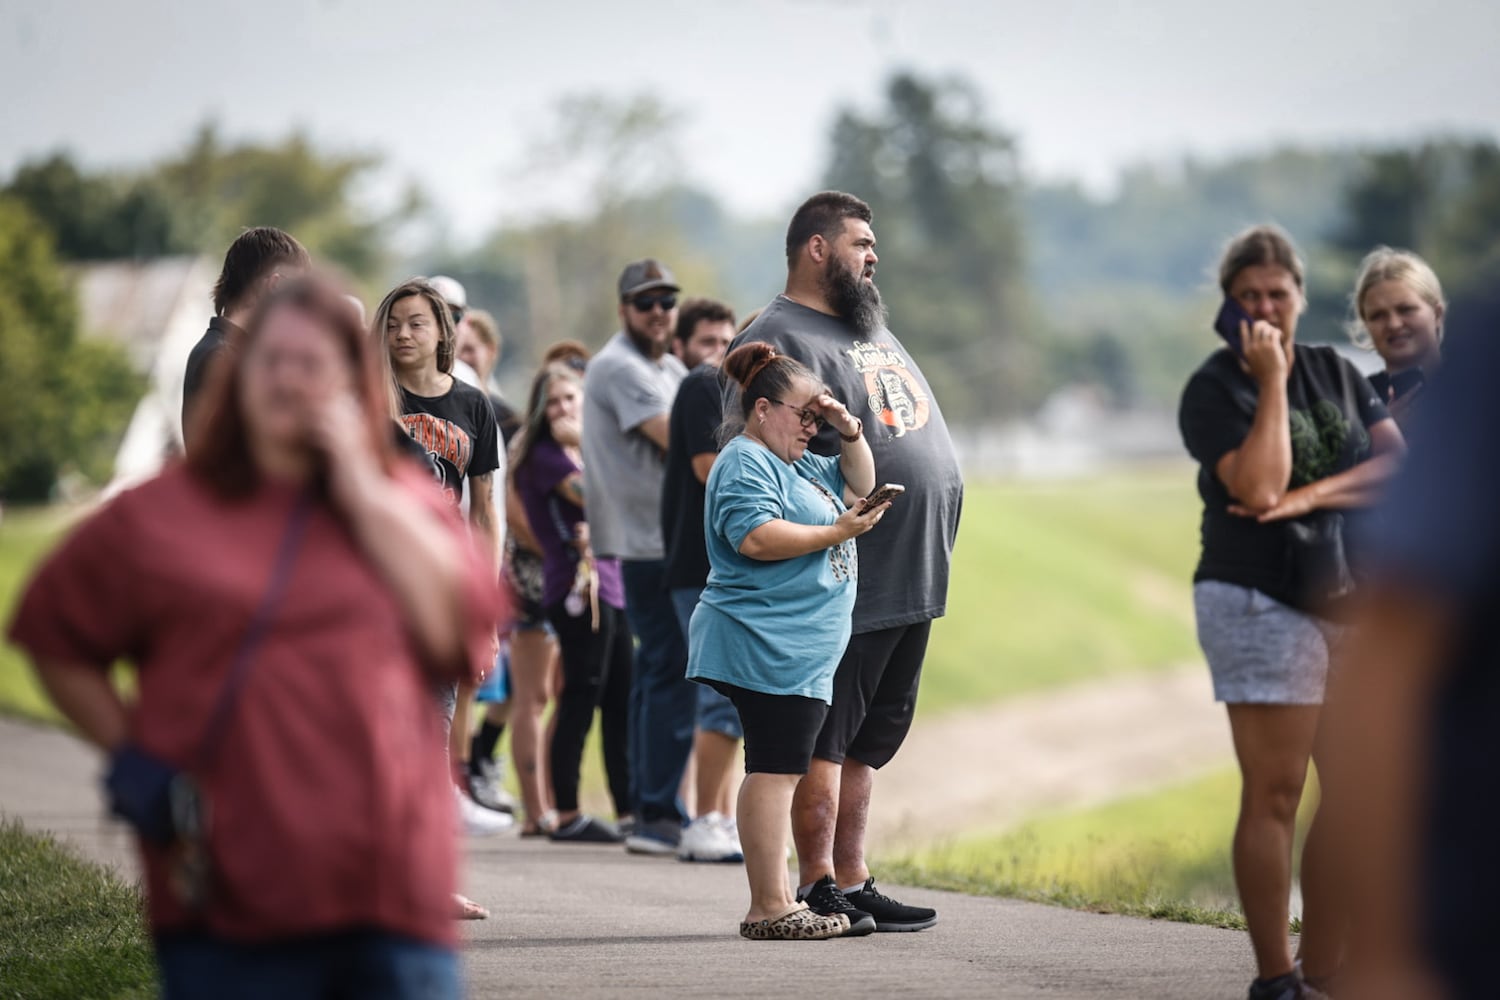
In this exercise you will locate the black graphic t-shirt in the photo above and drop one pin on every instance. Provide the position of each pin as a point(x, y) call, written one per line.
point(458, 432)
point(1331, 408)
point(905, 559)
point(692, 430)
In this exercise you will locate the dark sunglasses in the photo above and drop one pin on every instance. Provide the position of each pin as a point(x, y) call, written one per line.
point(645, 303)
point(807, 417)
point(458, 314)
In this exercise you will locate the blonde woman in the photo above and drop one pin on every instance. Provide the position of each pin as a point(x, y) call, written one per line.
point(1398, 310)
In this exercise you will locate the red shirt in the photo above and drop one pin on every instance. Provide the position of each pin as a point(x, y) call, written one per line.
point(330, 801)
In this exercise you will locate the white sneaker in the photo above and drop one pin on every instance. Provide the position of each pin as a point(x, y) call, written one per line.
point(704, 839)
point(487, 787)
point(477, 820)
point(731, 830)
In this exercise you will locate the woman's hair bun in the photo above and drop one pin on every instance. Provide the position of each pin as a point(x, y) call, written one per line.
point(746, 361)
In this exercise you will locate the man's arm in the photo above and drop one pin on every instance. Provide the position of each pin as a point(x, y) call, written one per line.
point(655, 430)
point(703, 464)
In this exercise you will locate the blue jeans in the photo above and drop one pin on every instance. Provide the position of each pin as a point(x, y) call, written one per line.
point(363, 964)
point(716, 713)
point(663, 702)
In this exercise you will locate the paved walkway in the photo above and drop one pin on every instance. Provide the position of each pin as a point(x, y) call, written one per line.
point(595, 922)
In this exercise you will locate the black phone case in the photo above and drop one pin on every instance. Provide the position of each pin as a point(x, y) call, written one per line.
point(1227, 325)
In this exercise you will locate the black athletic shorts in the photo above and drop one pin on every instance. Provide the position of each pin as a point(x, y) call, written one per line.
point(874, 695)
point(780, 729)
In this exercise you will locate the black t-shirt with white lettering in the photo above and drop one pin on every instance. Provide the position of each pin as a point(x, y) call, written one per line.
point(692, 430)
point(1331, 408)
point(458, 432)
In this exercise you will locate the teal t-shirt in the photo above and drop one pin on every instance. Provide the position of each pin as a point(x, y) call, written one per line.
point(778, 627)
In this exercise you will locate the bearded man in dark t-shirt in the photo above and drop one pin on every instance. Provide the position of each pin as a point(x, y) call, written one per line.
point(831, 319)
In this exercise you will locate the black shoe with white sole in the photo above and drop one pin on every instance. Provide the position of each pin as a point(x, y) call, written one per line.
point(890, 915)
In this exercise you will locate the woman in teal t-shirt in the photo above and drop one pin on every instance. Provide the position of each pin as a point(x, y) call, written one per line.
point(780, 524)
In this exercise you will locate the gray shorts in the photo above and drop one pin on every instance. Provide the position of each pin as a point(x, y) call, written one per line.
point(1259, 650)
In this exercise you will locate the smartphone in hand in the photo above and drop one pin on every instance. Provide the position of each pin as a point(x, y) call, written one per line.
point(1227, 325)
point(880, 494)
point(1406, 382)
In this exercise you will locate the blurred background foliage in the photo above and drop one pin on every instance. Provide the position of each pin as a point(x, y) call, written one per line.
point(1008, 288)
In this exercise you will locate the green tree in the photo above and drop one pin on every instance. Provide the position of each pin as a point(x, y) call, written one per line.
point(615, 162)
point(63, 401)
point(97, 216)
point(1441, 199)
point(943, 181)
point(200, 199)
point(218, 190)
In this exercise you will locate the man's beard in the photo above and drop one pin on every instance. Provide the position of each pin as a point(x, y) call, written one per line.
point(644, 342)
point(853, 298)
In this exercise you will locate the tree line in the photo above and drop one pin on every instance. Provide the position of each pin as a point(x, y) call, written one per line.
point(1006, 287)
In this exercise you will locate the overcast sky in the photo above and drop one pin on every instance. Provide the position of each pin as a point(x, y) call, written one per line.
point(1087, 87)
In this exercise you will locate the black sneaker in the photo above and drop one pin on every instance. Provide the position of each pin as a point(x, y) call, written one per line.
point(890, 915)
point(1287, 986)
point(585, 830)
point(825, 899)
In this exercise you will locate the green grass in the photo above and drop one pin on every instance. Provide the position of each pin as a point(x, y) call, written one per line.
point(26, 535)
point(1164, 854)
point(68, 929)
point(1062, 582)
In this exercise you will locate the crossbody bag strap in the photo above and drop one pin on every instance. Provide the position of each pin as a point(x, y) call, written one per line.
point(255, 633)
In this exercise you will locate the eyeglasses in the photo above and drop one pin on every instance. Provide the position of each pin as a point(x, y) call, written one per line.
point(458, 314)
point(645, 303)
point(807, 417)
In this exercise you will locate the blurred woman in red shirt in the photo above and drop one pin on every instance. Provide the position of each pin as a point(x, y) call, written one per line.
point(289, 595)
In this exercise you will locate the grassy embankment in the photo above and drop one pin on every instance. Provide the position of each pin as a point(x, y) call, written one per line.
point(1165, 855)
point(1052, 584)
point(1060, 582)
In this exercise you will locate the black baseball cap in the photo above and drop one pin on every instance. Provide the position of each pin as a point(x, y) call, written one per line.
point(644, 276)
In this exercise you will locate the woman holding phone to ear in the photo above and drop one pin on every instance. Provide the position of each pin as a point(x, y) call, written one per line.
point(1286, 436)
point(773, 621)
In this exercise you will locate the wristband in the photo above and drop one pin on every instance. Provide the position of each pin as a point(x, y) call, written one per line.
point(851, 438)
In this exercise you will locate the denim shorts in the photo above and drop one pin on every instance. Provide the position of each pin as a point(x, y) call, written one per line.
point(716, 713)
point(522, 576)
point(1259, 650)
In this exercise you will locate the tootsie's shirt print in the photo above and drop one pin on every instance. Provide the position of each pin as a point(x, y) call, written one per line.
point(895, 397)
point(904, 562)
point(458, 432)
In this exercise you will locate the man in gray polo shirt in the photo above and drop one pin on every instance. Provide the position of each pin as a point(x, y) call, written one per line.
point(628, 392)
